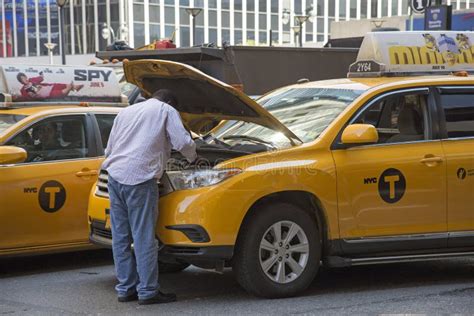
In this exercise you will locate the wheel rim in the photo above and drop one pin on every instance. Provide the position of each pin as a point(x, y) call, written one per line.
point(284, 252)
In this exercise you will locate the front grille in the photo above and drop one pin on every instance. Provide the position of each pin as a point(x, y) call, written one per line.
point(99, 229)
point(183, 250)
point(164, 185)
point(102, 189)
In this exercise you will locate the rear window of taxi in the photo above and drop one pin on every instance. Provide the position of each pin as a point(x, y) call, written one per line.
point(8, 120)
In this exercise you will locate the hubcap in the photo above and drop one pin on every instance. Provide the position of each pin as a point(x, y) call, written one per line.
point(284, 252)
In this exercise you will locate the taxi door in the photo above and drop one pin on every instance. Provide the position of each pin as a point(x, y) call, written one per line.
point(392, 195)
point(44, 200)
point(456, 105)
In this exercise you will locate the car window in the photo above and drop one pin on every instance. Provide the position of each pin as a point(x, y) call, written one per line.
point(126, 87)
point(307, 112)
point(398, 118)
point(8, 120)
point(459, 114)
point(51, 139)
point(105, 121)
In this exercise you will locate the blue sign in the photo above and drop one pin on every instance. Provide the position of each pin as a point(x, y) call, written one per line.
point(438, 18)
point(462, 21)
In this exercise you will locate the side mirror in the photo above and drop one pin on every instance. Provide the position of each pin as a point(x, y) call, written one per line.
point(12, 154)
point(360, 134)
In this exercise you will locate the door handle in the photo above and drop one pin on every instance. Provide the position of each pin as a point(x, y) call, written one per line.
point(87, 173)
point(430, 160)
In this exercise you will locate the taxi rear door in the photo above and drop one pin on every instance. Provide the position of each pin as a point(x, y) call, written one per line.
point(392, 195)
point(44, 199)
point(456, 106)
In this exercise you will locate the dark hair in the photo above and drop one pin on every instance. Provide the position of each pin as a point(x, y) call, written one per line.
point(20, 74)
point(166, 96)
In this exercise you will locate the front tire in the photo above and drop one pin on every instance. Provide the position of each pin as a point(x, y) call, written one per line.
point(278, 252)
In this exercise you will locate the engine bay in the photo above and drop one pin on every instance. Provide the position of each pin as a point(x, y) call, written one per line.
point(213, 152)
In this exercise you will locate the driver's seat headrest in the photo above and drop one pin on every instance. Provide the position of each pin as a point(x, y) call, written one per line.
point(410, 122)
point(72, 131)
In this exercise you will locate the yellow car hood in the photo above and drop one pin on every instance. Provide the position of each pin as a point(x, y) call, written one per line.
point(201, 97)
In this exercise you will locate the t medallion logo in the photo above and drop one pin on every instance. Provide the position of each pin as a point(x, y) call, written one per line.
point(461, 173)
point(52, 196)
point(392, 185)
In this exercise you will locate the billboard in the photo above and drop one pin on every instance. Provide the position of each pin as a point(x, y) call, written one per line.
point(27, 23)
point(30, 8)
point(411, 52)
point(60, 83)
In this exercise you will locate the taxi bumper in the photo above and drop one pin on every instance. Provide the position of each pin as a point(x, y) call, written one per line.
point(194, 225)
point(203, 217)
point(101, 236)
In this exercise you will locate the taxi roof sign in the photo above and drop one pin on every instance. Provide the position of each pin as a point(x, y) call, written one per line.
point(409, 53)
point(27, 84)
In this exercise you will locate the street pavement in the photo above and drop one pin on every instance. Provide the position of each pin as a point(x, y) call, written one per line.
point(83, 283)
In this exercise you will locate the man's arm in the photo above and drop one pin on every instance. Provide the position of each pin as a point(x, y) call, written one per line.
point(108, 149)
point(111, 140)
point(179, 136)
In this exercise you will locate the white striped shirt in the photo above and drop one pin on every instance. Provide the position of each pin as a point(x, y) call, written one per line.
point(141, 140)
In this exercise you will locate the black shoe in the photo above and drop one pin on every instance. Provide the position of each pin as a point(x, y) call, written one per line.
point(128, 298)
point(159, 298)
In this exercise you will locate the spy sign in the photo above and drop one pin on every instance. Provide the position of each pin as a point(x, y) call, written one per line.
point(27, 83)
point(419, 6)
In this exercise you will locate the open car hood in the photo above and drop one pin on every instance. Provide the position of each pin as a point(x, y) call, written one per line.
point(202, 99)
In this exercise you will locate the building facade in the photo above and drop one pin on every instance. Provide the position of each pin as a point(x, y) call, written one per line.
point(27, 25)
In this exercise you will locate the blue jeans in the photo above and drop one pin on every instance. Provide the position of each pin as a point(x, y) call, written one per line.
point(133, 215)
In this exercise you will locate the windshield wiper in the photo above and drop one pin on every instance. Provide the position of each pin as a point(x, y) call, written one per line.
point(250, 138)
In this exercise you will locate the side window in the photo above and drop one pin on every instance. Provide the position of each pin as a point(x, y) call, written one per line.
point(398, 118)
point(459, 114)
point(57, 138)
point(105, 122)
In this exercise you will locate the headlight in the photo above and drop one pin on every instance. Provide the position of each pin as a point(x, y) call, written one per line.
point(190, 179)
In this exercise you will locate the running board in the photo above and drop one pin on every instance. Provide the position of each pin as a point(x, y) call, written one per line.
point(335, 261)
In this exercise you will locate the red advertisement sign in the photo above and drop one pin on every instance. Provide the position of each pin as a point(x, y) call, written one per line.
point(60, 83)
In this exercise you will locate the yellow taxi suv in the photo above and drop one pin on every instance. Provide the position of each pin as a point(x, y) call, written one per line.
point(374, 168)
point(54, 126)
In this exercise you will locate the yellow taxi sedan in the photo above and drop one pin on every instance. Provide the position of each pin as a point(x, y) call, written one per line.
point(52, 137)
point(374, 168)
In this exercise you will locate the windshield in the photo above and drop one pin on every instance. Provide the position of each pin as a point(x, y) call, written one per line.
point(126, 87)
point(8, 120)
point(305, 111)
